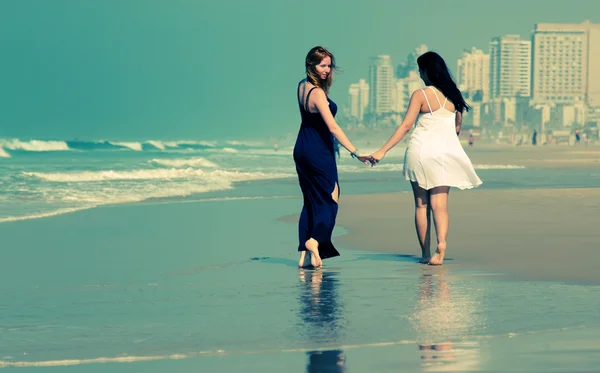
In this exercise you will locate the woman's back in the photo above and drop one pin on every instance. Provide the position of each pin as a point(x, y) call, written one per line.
point(314, 136)
point(437, 115)
point(435, 100)
point(434, 155)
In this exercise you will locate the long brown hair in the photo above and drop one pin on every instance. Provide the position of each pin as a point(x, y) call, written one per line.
point(313, 58)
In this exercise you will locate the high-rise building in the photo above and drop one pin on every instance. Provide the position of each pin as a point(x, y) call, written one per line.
point(404, 89)
point(358, 99)
point(473, 75)
point(510, 67)
point(565, 64)
point(381, 86)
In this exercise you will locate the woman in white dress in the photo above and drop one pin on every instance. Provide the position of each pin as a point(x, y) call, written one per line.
point(434, 160)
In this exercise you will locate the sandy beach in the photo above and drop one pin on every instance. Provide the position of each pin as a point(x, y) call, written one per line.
point(549, 156)
point(548, 234)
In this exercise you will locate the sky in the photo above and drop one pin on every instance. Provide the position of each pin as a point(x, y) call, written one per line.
point(222, 69)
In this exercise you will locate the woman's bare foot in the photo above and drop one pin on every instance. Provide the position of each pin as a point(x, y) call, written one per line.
point(313, 247)
point(304, 260)
point(438, 258)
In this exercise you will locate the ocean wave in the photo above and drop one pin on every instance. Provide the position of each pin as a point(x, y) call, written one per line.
point(103, 360)
point(115, 145)
point(34, 145)
point(43, 215)
point(190, 162)
point(462, 345)
point(497, 167)
point(131, 145)
point(70, 192)
point(190, 144)
point(251, 144)
point(3, 153)
point(210, 144)
point(102, 195)
point(149, 174)
point(88, 145)
point(157, 144)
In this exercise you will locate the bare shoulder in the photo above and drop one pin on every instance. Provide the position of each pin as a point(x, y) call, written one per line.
point(319, 93)
point(417, 95)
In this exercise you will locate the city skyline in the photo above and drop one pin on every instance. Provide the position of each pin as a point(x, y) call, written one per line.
point(546, 80)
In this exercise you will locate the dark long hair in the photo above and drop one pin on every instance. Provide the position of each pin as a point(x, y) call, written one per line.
point(433, 65)
point(313, 58)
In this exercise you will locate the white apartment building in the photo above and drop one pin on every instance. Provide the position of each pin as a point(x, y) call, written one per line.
point(473, 74)
point(358, 99)
point(404, 89)
point(381, 86)
point(510, 67)
point(566, 60)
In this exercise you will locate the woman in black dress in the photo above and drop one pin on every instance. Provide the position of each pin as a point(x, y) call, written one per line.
point(314, 155)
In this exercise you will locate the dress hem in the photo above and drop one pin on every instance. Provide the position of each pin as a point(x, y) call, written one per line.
point(459, 186)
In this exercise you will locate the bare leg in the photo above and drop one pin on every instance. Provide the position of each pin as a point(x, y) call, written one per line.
point(422, 220)
point(439, 206)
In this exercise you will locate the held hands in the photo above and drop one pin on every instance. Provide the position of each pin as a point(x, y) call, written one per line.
point(376, 157)
point(364, 158)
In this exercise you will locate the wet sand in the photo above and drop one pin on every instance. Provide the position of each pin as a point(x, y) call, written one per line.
point(213, 286)
point(541, 234)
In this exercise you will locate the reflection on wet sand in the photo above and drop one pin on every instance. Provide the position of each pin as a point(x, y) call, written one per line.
point(446, 315)
point(321, 318)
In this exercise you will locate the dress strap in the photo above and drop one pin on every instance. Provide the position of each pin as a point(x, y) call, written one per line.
point(426, 99)
point(307, 97)
point(444, 104)
point(436, 96)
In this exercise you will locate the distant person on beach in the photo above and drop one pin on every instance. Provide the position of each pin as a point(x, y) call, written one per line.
point(534, 138)
point(577, 137)
point(434, 160)
point(314, 154)
point(471, 139)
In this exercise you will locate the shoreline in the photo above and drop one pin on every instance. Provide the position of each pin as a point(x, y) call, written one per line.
point(564, 159)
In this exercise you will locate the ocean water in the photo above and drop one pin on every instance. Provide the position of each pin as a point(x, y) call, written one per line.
point(45, 178)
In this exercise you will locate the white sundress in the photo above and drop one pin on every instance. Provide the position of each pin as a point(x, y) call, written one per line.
point(434, 156)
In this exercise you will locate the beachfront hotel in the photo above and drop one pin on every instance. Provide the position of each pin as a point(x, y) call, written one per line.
point(381, 84)
point(358, 100)
point(473, 74)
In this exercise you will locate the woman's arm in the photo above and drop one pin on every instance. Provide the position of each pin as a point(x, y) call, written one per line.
point(321, 103)
point(458, 122)
point(414, 107)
